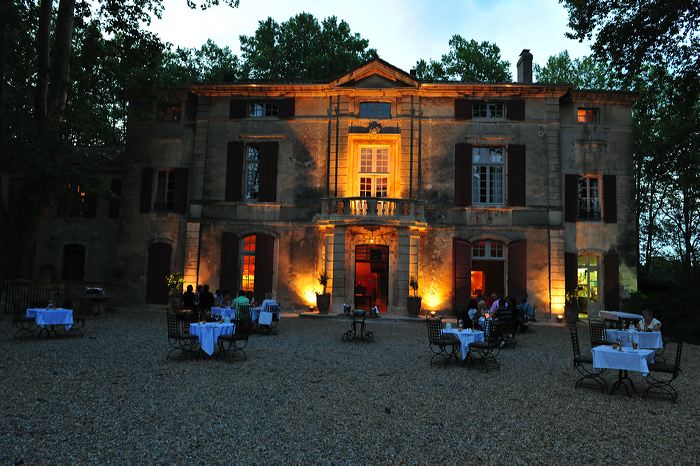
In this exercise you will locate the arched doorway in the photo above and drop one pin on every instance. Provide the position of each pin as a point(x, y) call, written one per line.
point(371, 276)
point(158, 268)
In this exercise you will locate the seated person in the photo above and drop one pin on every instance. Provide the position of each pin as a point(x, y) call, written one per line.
point(251, 298)
point(527, 310)
point(267, 301)
point(472, 314)
point(188, 298)
point(241, 299)
point(648, 322)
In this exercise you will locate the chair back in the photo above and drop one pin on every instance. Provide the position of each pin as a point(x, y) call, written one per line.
point(598, 336)
point(434, 329)
point(244, 324)
point(242, 312)
point(574, 342)
point(677, 363)
point(275, 310)
point(489, 330)
point(173, 328)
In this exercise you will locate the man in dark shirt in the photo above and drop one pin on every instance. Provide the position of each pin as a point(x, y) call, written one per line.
point(206, 299)
point(188, 298)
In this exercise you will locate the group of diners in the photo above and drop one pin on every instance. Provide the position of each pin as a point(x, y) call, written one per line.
point(498, 308)
point(202, 300)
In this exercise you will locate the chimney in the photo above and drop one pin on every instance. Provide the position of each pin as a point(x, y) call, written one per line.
point(412, 72)
point(525, 67)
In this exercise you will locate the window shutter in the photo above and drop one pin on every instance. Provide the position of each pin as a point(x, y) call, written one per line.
point(570, 272)
point(463, 174)
point(516, 175)
point(146, 189)
point(238, 108)
point(570, 198)
point(228, 275)
point(285, 109)
point(180, 200)
point(268, 171)
point(461, 273)
point(517, 268)
point(463, 109)
point(515, 109)
point(90, 206)
point(234, 171)
point(609, 199)
point(611, 281)
point(264, 250)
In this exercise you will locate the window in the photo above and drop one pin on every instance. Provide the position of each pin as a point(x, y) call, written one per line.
point(588, 198)
point(165, 191)
point(588, 276)
point(248, 276)
point(374, 171)
point(587, 115)
point(487, 110)
point(171, 111)
point(263, 109)
point(487, 250)
point(487, 175)
point(252, 172)
point(378, 110)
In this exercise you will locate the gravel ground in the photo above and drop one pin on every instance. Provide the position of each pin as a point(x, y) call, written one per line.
point(304, 396)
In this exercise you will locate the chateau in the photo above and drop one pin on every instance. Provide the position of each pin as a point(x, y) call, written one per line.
point(371, 178)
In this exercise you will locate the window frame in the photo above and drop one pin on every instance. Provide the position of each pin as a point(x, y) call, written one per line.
point(374, 114)
point(589, 215)
point(594, 112)
point(488, 250)
point(491, 188)
point(248, 148)
point(373, 175)
point(486, 110)
point(169, 204)
point(270, 109)
point(247, 258)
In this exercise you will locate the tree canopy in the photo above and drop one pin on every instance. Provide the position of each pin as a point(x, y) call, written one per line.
point(302, 49)
point(466, 61)
point(581, 73)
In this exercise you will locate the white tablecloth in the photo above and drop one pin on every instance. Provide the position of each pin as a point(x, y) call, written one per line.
point(465, 337)
point(209, 333)
point(58, 316)
point(645, 339)
point(223, 312)
point(605, 357)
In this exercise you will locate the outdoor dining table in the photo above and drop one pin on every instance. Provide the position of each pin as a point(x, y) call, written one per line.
point(648, 340)
point(209, 333)
point(465, 336)
point(605, 357)
point(49, 318)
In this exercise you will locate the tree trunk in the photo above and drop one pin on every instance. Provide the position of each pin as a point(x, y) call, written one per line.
point(43, 55)
point(60, 65)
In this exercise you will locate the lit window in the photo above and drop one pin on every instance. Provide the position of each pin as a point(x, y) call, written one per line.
point(252, 172)
point(248, 276)
point(587, 115)
point(588, 198)
point(263, 109)
point(487, 250)
point(487, 110)
point(165, 191)
point(378, 110)
point(374, 167)
point(588, 277)
point(487, 175)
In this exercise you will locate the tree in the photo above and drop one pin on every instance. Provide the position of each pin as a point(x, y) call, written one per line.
point(302, 49)
point(467, 61)
point(584, 73)
point(210, 63)
point(630, 35)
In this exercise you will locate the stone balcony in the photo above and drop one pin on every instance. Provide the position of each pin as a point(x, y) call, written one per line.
point(372, 211)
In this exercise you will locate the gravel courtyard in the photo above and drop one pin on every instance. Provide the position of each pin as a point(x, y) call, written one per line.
point(305, 396)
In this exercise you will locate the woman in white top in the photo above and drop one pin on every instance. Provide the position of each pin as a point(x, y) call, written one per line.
point(649, 323)
point(267, 302)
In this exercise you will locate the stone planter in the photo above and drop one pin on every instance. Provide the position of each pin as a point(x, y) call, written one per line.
point(413, 305)
point(323, 302)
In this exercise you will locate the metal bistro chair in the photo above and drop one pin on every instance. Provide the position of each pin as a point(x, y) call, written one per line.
point(80, 317)
point(598, 334)
point(274, 309)
point(442, 345)
point(579, 365)
point(662, 386)
point(178, 335)
point(25, 325)
point(231, 345)
point(485, 352)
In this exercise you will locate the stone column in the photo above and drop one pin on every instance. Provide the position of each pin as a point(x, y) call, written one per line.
point(557, 288)
point(404, 269)
point(336, 268)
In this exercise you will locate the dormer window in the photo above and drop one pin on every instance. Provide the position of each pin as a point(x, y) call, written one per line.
point(487, 110)
point(263, 109)
point(375, 110)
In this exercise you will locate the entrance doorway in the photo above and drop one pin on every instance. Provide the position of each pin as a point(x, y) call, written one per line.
point(487, 273)
point(371, 276)
point(588, 282)
point(158, 269)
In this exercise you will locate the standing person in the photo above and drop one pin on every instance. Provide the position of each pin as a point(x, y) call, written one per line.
point(188, 298)
point(206, 301)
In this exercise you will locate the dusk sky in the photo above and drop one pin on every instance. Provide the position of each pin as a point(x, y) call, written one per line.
point(402, 31)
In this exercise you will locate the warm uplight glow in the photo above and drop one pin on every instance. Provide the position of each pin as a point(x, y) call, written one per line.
point(560, 317)
point(434, 297)
point(306, 287)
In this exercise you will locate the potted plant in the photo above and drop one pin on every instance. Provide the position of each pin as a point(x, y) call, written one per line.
point(413, 302)
point(323, 299)
point(175, 281)
point(571, 306)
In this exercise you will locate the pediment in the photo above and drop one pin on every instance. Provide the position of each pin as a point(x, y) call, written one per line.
point(376, 74)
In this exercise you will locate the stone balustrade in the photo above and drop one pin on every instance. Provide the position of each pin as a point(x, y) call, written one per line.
point(377, 210)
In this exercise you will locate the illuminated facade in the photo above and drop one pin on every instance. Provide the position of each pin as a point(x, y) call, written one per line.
point(376, 177)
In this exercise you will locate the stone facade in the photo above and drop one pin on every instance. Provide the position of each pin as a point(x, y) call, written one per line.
point(371, 178)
